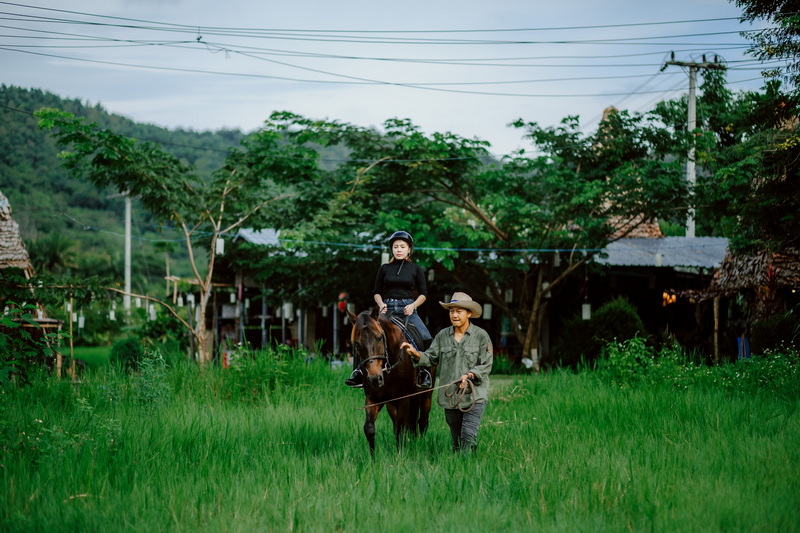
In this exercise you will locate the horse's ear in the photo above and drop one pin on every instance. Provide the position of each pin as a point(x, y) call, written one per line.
point(351, 316)
point(375, 313)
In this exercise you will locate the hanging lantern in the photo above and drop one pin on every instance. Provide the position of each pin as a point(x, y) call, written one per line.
point(586, 311)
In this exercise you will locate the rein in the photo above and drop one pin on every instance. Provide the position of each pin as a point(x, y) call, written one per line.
point(454, 402)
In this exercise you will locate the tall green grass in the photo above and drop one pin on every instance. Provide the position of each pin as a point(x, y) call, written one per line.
point(93, 356)
point(276, 444)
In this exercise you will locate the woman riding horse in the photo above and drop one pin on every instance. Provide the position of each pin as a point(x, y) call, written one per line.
point(396, 285)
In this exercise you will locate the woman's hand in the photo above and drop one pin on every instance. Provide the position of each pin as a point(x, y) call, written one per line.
point(409, 309)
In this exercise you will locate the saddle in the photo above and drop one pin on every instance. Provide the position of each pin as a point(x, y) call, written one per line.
point(411, 333)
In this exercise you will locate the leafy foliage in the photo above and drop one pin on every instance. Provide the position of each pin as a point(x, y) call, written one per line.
point(150, 386)
point(127, 353)
point(71, 227)
point(632, 363)
point(779, 41)
point(584, 340)
point(487, 226)
point(243, 191)
point(24, 346)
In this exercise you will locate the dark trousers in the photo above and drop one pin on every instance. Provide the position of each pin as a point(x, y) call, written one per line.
point(464, 427)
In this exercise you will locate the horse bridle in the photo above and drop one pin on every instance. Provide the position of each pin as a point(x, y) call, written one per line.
point(385, 356)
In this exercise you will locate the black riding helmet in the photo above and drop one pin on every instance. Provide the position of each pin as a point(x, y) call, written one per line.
point(403, 236)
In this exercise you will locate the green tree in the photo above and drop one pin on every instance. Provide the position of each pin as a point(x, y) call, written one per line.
point(747, 161)
point(780, 41)
point(203, 211)
point(523, 224)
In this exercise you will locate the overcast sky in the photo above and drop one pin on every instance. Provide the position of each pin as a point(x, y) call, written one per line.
point(463, 66)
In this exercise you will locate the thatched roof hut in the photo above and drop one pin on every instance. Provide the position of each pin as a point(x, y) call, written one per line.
point(773, 270)
point(764, 279)
point(12, 249)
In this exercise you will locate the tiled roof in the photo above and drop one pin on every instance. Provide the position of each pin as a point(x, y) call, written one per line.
point(703, 252)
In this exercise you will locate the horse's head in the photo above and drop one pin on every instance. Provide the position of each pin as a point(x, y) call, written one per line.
point(369, 341)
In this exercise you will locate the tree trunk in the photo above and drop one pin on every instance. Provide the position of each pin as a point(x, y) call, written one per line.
point(530, 345)
point(201, 331)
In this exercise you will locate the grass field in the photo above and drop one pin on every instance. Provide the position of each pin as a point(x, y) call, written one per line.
point(93, 356)
point(277, 445)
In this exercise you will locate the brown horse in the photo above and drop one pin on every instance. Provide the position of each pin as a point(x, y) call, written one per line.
point(389, 376)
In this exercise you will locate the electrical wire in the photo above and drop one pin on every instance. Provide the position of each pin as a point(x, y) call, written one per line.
point(39, 24)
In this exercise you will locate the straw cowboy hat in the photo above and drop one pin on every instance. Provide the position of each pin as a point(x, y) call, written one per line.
point(463, 301)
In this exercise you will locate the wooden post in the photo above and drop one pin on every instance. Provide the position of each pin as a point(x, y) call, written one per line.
point(716, 330)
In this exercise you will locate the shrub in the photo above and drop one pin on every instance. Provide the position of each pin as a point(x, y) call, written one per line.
point(127, 352)
point(24, 346)
point(632, 363)
point(583, 340)
point(149, 384)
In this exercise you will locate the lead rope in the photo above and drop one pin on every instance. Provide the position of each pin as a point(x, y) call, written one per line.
point(407, 395)
point(456, 393)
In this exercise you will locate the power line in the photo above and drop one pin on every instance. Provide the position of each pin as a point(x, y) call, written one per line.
point(210, 28)
point(367, 246)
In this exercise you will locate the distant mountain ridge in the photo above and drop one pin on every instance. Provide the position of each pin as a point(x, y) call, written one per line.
point(69, 225)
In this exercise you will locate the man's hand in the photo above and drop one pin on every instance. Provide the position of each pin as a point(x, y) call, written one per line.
point(409, 349)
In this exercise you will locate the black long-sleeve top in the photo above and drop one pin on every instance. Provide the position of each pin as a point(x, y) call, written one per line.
point(400, 280)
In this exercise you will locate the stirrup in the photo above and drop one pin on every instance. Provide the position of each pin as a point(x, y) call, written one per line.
point(424, 380)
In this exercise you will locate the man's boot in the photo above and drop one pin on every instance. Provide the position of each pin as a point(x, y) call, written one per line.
point(356, 379)
point(424, 380)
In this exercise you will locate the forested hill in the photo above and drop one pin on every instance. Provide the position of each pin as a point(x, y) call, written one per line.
point(69, 225)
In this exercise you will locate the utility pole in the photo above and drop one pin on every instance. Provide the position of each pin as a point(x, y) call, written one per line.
point(126, 299)
point(691, 176)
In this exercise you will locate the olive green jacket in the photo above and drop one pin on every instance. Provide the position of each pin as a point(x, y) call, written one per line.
point(472, 354)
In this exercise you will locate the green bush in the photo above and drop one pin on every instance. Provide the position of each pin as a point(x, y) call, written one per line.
point(632, 363)
point(127, 353)
point(149, 385)
point(24, 345)
point(583, 340)
point(165, 333)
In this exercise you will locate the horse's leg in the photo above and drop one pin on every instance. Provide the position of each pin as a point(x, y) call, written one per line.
point(369, 424)
point(403, 421)
point(424, 404)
